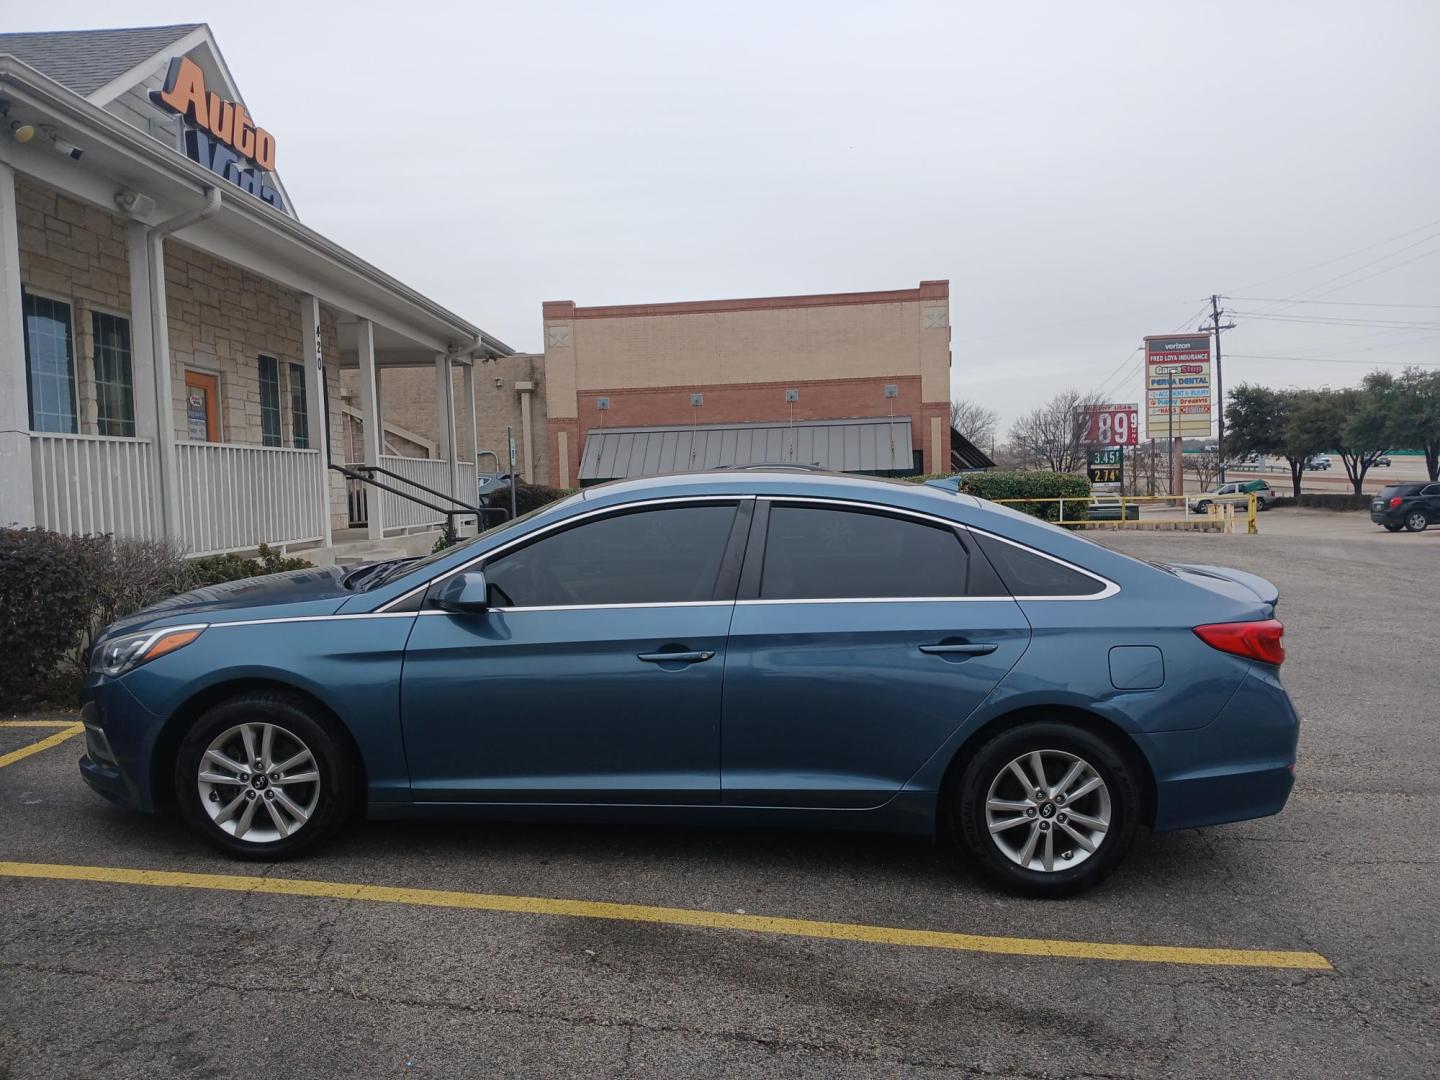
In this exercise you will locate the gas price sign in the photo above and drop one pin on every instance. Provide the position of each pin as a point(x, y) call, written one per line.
point(1112, 425)
point(1104, 465)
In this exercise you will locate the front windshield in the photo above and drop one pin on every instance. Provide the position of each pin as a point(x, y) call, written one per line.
point(400, 569)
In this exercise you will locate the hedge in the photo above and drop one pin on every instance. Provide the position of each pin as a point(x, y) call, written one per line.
point(1004, 484)
point(1328, 501)
point(57, 592)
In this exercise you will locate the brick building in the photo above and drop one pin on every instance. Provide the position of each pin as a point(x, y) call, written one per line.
point(172, 336)
point(858, 382)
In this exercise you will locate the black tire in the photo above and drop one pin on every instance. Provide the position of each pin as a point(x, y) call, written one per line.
point(1415, 521)
point(992, 760)
point(1393, 528)
point(1202, 507)
point(295, 721)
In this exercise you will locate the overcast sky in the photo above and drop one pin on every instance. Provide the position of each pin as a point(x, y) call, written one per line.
point(1083, 173)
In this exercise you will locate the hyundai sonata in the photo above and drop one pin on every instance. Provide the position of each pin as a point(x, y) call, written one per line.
point(759, 648)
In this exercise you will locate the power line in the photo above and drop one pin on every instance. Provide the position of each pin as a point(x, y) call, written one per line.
point(1329, 303)
point(1336, 320)
point(1340, 258)
point(1332, 360)
point(1365, 266)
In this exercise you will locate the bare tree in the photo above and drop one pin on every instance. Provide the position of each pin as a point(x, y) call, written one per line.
point(975, 422)
point(1204, 465)
point(1052, 436)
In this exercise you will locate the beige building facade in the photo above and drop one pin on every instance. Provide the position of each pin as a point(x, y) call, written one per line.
point(650, 370)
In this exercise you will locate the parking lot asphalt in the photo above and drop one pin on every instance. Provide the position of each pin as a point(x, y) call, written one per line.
point(134, 976)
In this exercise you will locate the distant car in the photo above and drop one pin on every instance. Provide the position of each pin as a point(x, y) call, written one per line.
point(1318, 463)
point(1111, 508)
point(1238, 493)
point(1407, 506)
point(1382, 461)
point(1249, 461)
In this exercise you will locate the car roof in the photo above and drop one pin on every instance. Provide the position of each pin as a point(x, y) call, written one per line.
point(774, 480)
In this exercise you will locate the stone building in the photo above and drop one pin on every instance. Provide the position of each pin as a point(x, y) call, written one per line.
point(172, 337)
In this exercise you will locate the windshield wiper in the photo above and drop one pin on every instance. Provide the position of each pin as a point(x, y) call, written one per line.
point(357, 575)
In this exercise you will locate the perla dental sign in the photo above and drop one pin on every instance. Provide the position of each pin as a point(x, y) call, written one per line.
point(219, 134)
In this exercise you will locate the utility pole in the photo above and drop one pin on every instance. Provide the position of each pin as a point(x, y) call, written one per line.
point(1215, 327)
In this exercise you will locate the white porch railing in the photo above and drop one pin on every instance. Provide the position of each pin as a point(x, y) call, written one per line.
point(234, 497)
point(94, 484)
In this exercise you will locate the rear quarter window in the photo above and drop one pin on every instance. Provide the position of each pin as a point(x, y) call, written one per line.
point(1028, 573)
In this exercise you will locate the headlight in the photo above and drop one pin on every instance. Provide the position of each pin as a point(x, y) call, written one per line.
point(129, 651)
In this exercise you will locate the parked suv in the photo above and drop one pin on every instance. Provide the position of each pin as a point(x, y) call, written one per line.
point(1407, 506)
point(1318, 463)
point(1238, 493)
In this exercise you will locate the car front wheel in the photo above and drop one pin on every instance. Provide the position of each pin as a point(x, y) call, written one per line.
point(1202, 508)
point(264, 776)
point(1416, 521)
point(1047, 808)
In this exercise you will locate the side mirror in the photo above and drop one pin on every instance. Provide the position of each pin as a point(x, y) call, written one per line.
point(465, 593)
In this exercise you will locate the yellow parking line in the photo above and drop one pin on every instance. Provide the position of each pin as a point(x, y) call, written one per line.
point(36, 723)
point(44, 744)
point(723, 920)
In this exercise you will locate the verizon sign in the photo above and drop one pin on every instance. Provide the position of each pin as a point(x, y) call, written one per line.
point(1177, 386)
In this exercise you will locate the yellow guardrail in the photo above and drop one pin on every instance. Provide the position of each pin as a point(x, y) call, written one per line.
point(1222, 508)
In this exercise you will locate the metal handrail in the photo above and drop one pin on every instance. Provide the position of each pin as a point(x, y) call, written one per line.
point(365, 474)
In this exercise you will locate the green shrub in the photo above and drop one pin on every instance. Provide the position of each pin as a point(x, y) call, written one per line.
point(48, 588)
point(214, 569)
point(130, 575)
point(533, 496)
point(1000, 485)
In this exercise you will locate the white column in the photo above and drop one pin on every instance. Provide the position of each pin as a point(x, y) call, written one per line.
point(445, 416)
point(17, 493)
point(312, 348)
point(467, 389)
point(142, 361)
point(165, 456)
point(527, 440)
point(370, 412)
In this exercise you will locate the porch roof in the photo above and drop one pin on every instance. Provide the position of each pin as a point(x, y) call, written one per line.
point(244, 231)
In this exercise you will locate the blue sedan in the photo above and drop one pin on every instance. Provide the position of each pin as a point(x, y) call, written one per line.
point(760, 648)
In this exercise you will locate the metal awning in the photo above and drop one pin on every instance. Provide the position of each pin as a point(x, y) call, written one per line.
point(871, 445)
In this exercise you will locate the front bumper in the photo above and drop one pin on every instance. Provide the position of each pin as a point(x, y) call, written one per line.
point(1239, 766)
point(120, 739)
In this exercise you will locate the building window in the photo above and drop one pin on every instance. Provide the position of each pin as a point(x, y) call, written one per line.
point(49, 364)
point(299, 415)
point(114, 384)
point(269, 401)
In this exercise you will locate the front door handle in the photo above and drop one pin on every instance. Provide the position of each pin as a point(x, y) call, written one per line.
point(978, 648)
point(698, 657)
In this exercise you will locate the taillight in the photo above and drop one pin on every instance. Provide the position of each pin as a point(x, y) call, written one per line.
point(1395, 502)
point(1252, 640)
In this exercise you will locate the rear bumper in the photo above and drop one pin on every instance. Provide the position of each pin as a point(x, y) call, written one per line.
point(1387, 517)
point(1239, 766)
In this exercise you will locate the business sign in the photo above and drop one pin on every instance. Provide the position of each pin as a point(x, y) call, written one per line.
point(1111, 425)
point(219, 134)
point(1104, 466)
point(1177, 386)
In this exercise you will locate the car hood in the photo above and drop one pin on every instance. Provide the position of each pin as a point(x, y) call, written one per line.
point(315, 590)
point(1236, 584)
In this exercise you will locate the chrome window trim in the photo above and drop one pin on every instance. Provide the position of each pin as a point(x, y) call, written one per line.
point(1109, 589)
point(599, 607)
point(318, 618)
point(536, 533)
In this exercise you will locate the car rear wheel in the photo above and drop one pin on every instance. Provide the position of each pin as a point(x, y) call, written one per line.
point(264, 776)
point(1416, 521)
point(1202, 507)
point(1047, 808)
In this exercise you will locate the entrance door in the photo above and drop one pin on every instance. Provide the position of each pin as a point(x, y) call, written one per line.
point(861, 641)
point(593, 677)
point(202, 407)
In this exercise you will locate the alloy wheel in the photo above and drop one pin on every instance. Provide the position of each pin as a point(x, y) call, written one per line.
point(1416, 522)
point(259, 782)
point(1048, 810)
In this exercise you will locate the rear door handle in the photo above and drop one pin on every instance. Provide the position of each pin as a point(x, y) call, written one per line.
point(698, 657)
point(979, 648)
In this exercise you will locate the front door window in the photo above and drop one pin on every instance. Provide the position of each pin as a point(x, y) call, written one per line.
point(202, 407)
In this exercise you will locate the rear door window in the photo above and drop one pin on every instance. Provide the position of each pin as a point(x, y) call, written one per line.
point(820, 553)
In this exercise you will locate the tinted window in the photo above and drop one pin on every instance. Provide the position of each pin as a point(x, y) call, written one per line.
point(114, 385)
point(1391, 490)
point(1433, 489)
point(650, 557)
point(269, 401)
point(1027, 574)
point(812, 553)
